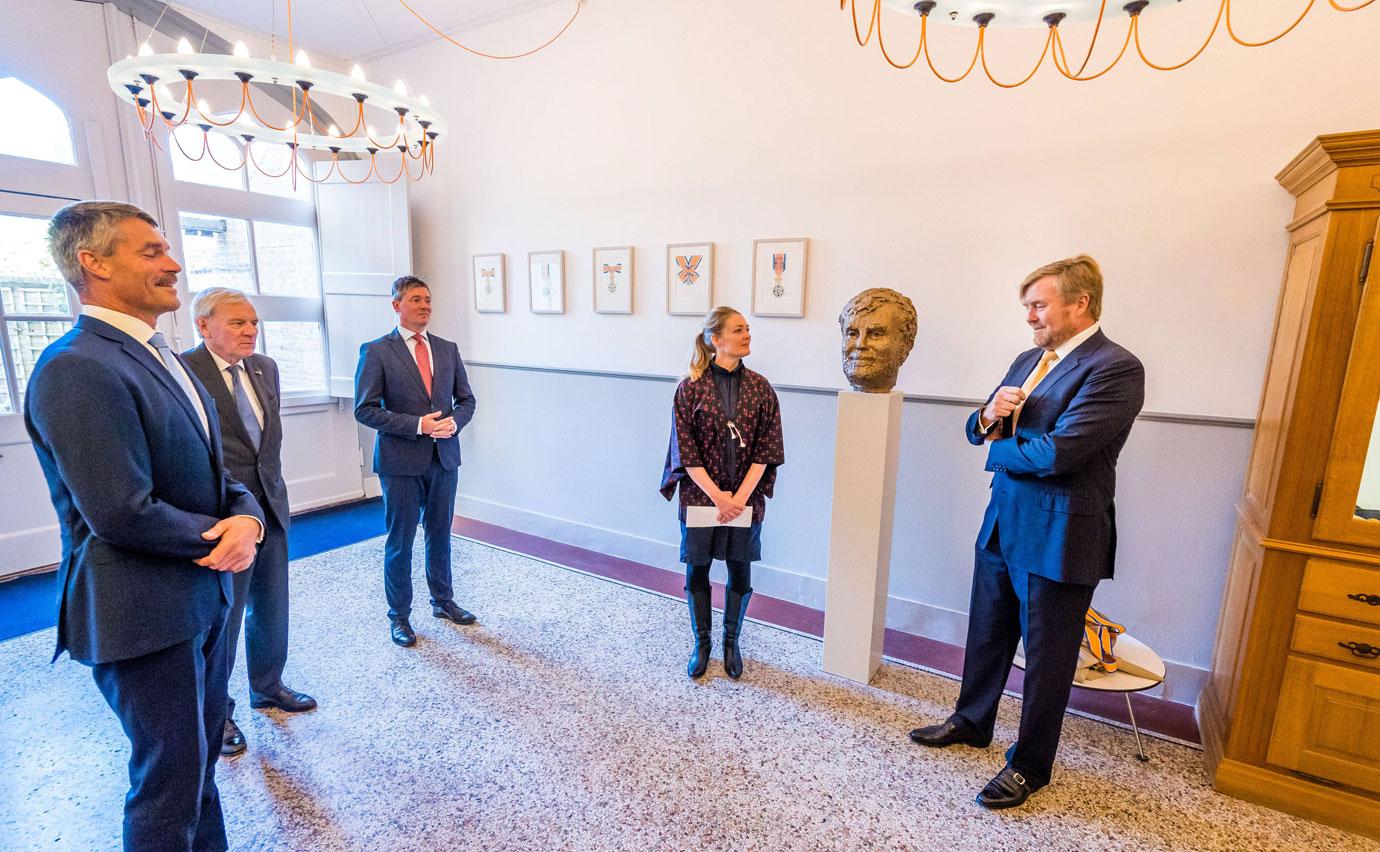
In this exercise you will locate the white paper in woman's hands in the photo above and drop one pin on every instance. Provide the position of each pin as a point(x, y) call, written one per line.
point(708, 516)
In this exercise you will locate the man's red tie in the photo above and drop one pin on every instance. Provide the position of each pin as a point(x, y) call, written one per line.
point(423, 361)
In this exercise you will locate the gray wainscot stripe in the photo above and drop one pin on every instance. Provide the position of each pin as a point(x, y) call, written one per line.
point(961, 402)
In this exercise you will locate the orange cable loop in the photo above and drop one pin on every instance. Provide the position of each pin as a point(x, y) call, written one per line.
point(924, 28)
point(1078, 77)
point(297, 167)
point(871, 22)
point(158, 113)
point(1097, 30)
point(1234, 37)
point(1340, 8)
point(271, 126)
point(205, 146)
point(1049, 38)
point(249, 152)
point(396, 136)
point(1135, 25)
point(920, 46)
point(578, 6)
point(244, 154)
point(208, 119)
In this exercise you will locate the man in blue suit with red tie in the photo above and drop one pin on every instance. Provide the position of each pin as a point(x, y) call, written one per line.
point(412, 389)
point(152, 525)
point(1053, 431)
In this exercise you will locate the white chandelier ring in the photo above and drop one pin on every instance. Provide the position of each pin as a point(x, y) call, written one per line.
point(1011, 13)
point(138, 80)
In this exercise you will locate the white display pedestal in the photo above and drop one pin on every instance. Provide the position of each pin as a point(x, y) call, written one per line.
point(866, 448)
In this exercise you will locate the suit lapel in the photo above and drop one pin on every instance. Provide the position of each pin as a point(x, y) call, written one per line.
point(410, 363)
point(151, 362)
point(1066, 365)
point(440, 366)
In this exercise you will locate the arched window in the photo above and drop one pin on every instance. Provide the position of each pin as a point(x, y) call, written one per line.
point(31, 125)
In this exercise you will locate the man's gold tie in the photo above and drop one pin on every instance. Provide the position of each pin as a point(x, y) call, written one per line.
point(1046, 364)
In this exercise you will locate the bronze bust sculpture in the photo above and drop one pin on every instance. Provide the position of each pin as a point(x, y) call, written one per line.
point(878, 326)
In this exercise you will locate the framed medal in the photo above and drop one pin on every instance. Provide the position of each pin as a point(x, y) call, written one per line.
point(778, 277)
point(490, 284)
point(546, 281)
point(613, 280)
point(689, 278)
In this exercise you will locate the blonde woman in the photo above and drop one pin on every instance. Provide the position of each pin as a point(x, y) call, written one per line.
point(724, 450)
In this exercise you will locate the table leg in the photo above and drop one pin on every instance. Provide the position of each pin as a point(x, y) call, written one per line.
point(1140, 747)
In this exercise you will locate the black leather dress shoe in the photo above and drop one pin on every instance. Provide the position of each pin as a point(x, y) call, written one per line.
point(452, 611)
point(232, 740)
point(282, 698)
point(402, 633)
point(951, 730)
point(1008, 790)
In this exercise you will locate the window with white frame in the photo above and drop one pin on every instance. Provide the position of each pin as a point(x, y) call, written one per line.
point(254, 230)
point(32, 126)
point(36, 306)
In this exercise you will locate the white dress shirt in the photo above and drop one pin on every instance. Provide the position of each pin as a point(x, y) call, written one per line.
point(141, 332)
point(224, 367)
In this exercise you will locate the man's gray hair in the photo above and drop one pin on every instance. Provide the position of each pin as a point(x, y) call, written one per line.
point(87, 226)
point(208, 300)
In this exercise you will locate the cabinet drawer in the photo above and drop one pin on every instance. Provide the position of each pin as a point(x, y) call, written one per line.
point(1341, 589)
point(1324, 637)
point(1327, 723)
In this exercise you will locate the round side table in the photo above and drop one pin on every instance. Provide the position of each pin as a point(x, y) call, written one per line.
point(1132, 651)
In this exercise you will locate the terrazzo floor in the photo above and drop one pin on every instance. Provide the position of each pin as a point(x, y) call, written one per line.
point(564, 720)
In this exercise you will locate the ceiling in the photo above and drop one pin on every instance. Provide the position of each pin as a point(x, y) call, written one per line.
point(356, 30)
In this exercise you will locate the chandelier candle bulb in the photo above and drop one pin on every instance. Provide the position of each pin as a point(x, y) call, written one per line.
point(241, 50)
point(357, 73)
point(146, 49)
point(301, 59)
point(184, 47)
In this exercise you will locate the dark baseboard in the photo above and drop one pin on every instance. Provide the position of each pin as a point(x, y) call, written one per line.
point(1155, 715)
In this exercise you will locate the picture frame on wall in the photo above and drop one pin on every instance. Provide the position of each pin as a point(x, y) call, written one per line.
point(490, 283)
point(546, 281)
point(613, 280)
point(778, 277)
point(689, 278)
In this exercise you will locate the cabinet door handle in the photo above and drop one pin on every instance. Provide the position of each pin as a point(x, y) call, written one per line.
point(1373, 600)
point(1361, 649)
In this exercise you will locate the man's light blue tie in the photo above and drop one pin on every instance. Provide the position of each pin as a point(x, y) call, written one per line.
point(170, 361)
point(246, 410)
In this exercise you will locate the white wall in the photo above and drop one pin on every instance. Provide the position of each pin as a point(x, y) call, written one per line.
point(650, 123)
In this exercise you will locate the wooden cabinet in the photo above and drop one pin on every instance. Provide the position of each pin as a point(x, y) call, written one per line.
point(1291, 713)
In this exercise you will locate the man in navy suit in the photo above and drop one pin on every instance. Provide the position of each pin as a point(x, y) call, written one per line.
point(1053, 429)
point(152, 525)
point(411, 388)
point(245, 386)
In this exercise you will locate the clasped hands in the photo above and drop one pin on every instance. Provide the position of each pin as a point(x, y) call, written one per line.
point(436, 426)
point(234, 552)
point(729, 505)
point(1003, 403)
